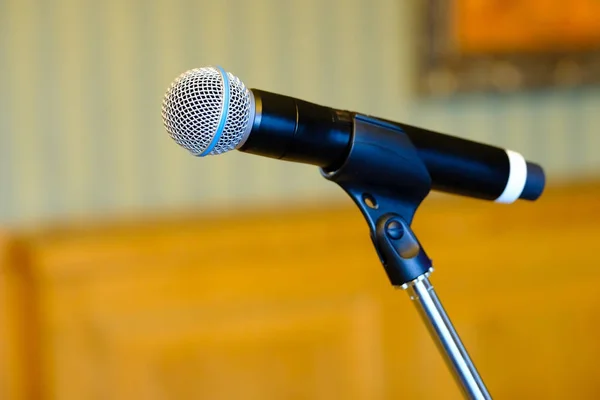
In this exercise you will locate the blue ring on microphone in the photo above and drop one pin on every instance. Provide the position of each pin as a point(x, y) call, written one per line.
point(221, 126)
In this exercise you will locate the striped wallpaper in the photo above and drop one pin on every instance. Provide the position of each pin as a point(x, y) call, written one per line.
point(81, 82)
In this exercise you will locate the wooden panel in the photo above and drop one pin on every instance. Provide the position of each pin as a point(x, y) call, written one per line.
point(19, 324)
point(295, 305)
point(9, 372)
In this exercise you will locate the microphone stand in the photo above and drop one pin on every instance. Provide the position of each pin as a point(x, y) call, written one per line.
point(387, 180)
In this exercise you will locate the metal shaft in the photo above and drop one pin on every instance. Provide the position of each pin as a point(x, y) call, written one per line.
point(421, 292)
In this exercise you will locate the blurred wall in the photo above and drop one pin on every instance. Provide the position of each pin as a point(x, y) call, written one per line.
point(82, 83)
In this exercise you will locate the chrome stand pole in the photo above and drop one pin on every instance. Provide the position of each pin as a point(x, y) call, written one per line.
point(388, 193)
point(429, 306)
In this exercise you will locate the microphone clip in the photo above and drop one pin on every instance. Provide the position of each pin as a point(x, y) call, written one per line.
point(387, 180)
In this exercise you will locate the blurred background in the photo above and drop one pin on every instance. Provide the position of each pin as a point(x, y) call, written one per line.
point(130, 269)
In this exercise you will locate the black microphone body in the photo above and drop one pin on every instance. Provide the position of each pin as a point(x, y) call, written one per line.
point(295, 130)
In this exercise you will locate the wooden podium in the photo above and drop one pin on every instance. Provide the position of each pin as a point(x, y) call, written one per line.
point(255, 307)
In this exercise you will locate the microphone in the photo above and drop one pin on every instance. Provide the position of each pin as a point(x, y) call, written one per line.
point(209, 111)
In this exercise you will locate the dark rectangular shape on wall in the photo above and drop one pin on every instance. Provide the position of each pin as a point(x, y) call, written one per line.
point(507, 46)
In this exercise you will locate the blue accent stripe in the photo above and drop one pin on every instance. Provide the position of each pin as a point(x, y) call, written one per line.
point(221, 126)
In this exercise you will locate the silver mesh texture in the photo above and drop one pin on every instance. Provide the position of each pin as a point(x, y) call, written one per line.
point(193, 107)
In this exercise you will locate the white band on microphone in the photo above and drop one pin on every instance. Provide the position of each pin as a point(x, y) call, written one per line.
point(517, 176)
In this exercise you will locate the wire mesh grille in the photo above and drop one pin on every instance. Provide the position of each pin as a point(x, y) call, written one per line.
point(193, 107)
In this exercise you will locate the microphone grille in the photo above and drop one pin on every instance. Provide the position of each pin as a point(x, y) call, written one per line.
point(208, 111)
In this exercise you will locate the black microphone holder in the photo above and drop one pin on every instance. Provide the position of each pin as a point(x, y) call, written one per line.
point(387, 180)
